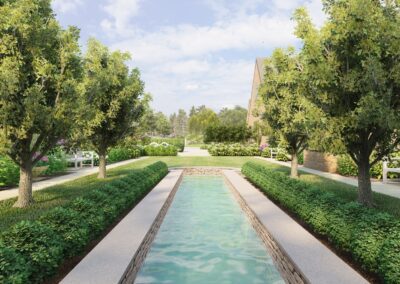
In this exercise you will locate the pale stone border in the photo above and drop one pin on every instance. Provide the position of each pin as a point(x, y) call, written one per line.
point(315, 262)
point(117, 257)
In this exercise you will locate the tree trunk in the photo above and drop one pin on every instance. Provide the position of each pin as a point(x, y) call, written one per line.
point(364, 181)
point(102, 165)
point(293, 170)
point(25, 197)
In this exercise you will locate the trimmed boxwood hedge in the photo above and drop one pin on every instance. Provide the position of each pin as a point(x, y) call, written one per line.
point(32, 251)
point(370, 236)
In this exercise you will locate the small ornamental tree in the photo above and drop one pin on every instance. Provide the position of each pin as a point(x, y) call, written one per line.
point(287, 110)
point(113, 96)
point(353, 70)
point(39, 69)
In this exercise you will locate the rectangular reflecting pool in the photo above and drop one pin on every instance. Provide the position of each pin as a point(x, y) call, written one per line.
point(207, 238)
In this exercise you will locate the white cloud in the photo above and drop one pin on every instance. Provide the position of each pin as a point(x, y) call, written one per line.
point(121, 13)
point(172, 43)
point(64, 6)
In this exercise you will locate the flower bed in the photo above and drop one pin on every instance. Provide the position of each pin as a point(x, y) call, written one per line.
point(32, 251)
point(233, 150)
point(179, 143)
point(370, 236)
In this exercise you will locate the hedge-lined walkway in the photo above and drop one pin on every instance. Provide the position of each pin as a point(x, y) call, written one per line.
point(82, 172)
point(377, 186)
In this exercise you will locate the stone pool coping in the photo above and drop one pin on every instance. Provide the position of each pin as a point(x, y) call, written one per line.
point(116, 255)
point(315, 261)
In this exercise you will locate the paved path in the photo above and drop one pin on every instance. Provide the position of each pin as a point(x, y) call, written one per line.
point(194, 152)
point(392, 189)
point(5, 194)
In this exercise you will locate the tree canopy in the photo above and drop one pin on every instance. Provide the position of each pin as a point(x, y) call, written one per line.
point(287, 110)
point(112, 94)
point(353, 69)
point(40, 68)
point(233, 117)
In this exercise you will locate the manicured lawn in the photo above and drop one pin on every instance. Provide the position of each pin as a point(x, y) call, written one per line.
point(61, 194)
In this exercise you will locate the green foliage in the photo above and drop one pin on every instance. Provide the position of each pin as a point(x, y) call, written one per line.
point(352, 70)
point(38, 245)
point(112, 96)
point(179, 143)
point(34, 250)
point(224, 133)
point(350, 227)
point(163, 149)
point(40, 71)
point(233, 150)
point(13, 268)
point(233, 117)
point(57, 161)
point(117, 154)
point(9, 172)
point(201, 119)
point(179, 123)
point(347, 167)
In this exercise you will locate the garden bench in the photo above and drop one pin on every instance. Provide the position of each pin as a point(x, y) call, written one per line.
point(386, 169)
point(274, 152)
point(81, 157)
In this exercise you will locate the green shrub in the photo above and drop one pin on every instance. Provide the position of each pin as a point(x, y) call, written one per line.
point(64, 231)
point(233, 150)
point(9, 172)
point(121, 154)
point(57, 162)
point(39, 245)
point(347, 167)
point(300, 158)
point(360, 231)
point(178, 142)
point(223, 134)
point(282, 155)
point(13, 268)
point(163, 149)
point(70, 226)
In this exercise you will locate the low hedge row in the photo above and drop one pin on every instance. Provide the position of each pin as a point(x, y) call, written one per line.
point(235, 149)
point(163, 149)
point(32, 251)
point(118, 154)
point(370, 236)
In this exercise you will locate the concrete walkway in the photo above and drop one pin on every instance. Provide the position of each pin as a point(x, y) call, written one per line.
point(391, 189)
point(6, 194)
point(194, 152)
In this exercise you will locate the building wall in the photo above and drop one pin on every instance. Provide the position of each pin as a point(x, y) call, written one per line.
point(320, 161)
point(253, 107)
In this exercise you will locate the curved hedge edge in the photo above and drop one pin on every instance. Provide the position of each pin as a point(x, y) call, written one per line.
point(32, 251)
point(370, 236)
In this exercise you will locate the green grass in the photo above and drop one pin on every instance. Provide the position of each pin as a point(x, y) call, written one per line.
point(61, 194)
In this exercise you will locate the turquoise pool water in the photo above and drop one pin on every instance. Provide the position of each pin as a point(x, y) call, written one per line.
point(206, 238)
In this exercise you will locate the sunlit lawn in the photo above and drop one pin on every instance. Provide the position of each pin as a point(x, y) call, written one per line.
point(61, 194)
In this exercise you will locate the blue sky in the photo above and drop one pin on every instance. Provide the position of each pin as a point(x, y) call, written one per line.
point(190, 52)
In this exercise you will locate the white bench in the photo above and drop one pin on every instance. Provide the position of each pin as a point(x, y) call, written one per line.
point(80, 157)
point(274, 152)
point(386, 169)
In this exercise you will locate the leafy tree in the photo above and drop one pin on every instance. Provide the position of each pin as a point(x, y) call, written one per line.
point(113, 96)
point(290, 115)
point(40, 67)
point(353, 68)
point(203, 118)
point(179, 123)
point(233, 117)
point(162, 123)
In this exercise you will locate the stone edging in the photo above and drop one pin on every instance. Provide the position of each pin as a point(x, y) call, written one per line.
point(287, 268)
point(137, 261)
